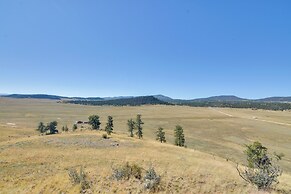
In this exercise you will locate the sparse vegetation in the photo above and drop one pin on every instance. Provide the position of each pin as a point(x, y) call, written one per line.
point(262, 170)
point(35, 158)
point(109, 125)
point(138, 126)
point(152, 180)
point(65, 128)
point(94, 122)
point(161, 135)
point(127, 171)
point(179, 136)
point(79, 178)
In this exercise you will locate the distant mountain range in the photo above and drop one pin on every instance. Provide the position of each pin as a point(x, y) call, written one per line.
point(222, 98)
point(48, 97)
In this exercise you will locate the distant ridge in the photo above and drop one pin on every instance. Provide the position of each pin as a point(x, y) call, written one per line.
point(221, 98)
point(131, 101)
point(48, 97)
point(36, 96)
point(224, 98)
point(275, 99)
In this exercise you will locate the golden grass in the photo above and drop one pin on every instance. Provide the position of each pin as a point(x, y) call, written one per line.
point(31, 163)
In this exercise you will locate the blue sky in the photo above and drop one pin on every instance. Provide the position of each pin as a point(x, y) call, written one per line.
point(183, 49)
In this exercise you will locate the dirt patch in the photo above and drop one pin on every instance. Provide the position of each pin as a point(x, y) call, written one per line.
point(82, 141)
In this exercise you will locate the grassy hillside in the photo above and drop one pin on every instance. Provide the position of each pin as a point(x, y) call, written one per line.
point(40, 164)
point(33, 163)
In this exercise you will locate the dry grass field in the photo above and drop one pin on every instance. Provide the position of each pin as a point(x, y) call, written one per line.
point(215, 138)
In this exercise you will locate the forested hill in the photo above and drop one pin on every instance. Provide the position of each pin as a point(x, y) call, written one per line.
point(35, 96)
point(134, 101)
point(275, 99)
point(47, 97)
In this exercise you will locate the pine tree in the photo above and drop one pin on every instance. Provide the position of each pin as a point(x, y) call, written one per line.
point(161, 135)
point(52, 127)
point(94, 122)
point(63, 128)
point(41, 127)
point(138, 126)
point(179, 136)
point(130, 124)
point(75, 127)
point(109, 125)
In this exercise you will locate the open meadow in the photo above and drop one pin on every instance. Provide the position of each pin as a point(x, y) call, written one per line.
point(215, 139)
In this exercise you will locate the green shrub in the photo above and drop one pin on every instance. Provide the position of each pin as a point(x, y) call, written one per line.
point(262, 170)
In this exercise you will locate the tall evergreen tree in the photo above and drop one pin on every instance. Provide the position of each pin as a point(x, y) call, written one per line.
point(52, 127)
point(179, 136)
point(130, 124)
point(109, 125)
point(41, 127)
point(94, 122)
point(161, 135)
point(138, 126)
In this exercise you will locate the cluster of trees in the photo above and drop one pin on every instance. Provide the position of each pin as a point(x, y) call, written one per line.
point(178, 134)
point(241, 104)
point(95, 123)
point(50, 128)
point(134, 101)
point(160, 133)
point(135, 125)
point(146, 100)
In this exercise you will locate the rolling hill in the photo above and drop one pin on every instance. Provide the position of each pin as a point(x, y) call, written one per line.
point(134, 101)
point(224, 98)
point(276, 99)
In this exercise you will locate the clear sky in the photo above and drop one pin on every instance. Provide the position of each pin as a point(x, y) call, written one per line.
point(179, 48)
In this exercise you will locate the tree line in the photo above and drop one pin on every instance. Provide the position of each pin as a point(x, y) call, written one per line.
point(278, 106)
point(134, 101)
point(151, 100)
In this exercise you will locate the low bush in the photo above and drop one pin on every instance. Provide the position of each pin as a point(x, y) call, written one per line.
point(104, 136)
point(262, 170)
point(79, 178)
point(152, 180)
point(127, 171)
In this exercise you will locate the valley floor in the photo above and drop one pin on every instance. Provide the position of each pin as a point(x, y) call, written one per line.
point(30, 163)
